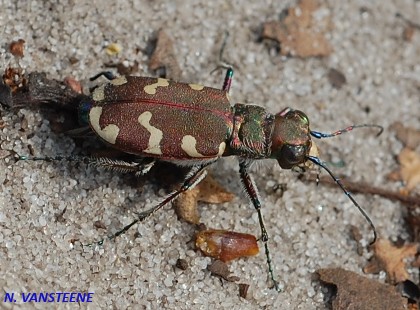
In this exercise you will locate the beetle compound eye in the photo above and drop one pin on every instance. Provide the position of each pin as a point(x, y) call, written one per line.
point(303, 116)
point(291, 155)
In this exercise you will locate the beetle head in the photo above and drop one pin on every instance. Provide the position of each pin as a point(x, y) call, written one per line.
point(291, 140)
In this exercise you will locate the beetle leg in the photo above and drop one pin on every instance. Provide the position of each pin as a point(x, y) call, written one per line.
point(195, 176)
point(252, 192)
point(228, 79)
point(139, 168)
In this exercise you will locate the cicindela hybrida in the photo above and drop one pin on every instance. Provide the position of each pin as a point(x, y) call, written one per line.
point(194, 126)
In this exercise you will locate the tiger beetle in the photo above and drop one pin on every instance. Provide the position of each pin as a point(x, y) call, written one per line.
point(193, 125)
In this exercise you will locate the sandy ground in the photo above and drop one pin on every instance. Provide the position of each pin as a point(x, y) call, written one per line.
point(308, 225)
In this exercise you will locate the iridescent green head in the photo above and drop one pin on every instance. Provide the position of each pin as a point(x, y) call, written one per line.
point(291, 139)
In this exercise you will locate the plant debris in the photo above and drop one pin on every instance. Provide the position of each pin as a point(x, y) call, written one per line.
point(181, 264)
point(409, 29)
point(409, 136)
point(300, 33)
point(358, 292)
point(391, 259)
point(208, 191)
point(410, 168)
point(226, 245)
point(14, 78)
point(243, 290)
point(221, 270)
point(361, 187)
point(164, 57)
point(357, 236)
point(337, 78)
point(409, 157)
point(74, 84)
point(16, 48)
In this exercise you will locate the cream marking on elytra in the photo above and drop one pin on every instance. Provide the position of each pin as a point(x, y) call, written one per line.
point(222, 148)
point(196, 86)
point(121, 80)
point(228, 96)
point(109, 133)
point(156, 135)
point(99, 93)
point(189, 146)
point(151, 89)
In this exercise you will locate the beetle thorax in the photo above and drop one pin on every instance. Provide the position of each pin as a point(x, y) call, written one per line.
point(252, 130)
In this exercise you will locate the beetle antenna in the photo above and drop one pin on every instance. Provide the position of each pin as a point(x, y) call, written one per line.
point(319, 163)
point(320, 135)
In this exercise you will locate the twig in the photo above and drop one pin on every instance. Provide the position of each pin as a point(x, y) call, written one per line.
point(364, 188)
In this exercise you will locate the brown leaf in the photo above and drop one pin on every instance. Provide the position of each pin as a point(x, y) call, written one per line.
point(17, 47)
point(220, 269)
point(186, 206)
point(410, 168)
point(164, 56)
point(358, 292)
point(208, 191)
point(409, 136)
point(391, 259)
point(243, 290)
point(299, 34)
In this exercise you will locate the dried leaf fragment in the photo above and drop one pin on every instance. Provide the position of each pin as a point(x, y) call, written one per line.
point(220, 269)
point(358, 292)
point(243, 290)
point(391, 259)
point(164, 57)
point(299, 33)
point(74, 84)
point(409, 136)
point(208, 191)
point(410, 168)
point(14, 78)
point(17, 47)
